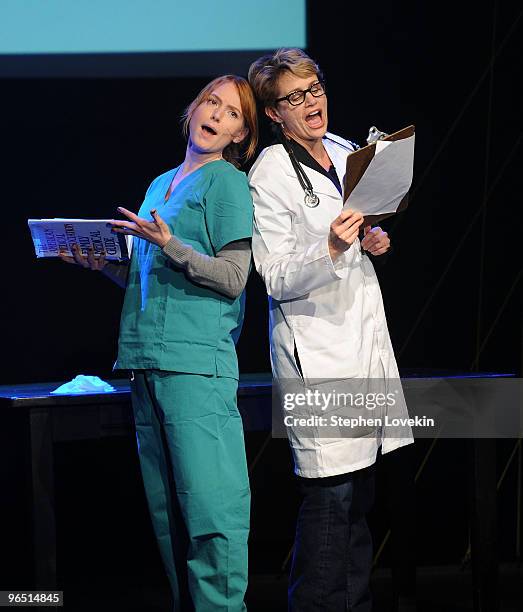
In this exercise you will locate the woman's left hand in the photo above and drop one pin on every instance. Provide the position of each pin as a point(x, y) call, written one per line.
point(155, 231)
point(375, 240)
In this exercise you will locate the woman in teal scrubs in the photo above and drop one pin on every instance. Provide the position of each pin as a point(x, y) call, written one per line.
point(182, 314)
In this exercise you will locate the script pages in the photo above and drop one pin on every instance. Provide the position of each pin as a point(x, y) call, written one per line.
point(52, 236)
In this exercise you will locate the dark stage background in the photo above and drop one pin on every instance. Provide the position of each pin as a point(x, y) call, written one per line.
point(452, 287)
point(81, 147)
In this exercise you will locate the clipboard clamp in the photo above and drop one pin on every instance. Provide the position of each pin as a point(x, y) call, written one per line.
point(375, 134)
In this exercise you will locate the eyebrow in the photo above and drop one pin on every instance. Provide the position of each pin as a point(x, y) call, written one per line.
point(296, 90)
point(228, 105)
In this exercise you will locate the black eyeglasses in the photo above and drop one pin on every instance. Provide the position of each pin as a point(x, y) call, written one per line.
point(295, 98)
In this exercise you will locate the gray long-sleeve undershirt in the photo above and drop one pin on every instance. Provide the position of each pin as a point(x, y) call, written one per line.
point(225, 273)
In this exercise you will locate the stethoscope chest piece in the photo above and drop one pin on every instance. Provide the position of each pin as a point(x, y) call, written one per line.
point(311, 199)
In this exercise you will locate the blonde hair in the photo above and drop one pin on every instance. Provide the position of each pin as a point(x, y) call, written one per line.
point(265, 72)
point(245, 149)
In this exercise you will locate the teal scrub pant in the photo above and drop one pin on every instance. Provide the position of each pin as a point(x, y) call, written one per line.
point(192, 457)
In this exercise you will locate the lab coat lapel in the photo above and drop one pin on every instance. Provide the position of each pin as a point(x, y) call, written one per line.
point(320, 183)
point(338, 157)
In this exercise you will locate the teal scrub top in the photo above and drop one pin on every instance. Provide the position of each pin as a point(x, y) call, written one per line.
point(168, 322)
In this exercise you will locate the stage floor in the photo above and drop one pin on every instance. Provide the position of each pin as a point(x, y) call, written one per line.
point(440, 589)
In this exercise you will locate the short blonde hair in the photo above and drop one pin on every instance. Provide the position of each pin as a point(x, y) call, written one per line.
point(265, 72)
point(233, 152)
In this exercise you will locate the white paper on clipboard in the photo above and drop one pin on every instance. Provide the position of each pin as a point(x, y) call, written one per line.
point(386, 180)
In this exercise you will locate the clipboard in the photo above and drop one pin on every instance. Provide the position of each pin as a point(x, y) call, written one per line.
point(358, 162)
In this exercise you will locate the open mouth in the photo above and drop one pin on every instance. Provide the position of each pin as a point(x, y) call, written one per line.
point(314, 119)
point(209, 130)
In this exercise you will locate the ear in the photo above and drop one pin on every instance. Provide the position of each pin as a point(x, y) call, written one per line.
point(240, 135)
point(273, 114)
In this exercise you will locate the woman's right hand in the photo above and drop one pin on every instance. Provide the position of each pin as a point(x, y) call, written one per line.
point(343, 232)
point(91, 262)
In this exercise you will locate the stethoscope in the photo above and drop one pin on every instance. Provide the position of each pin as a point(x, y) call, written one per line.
point(310, 199)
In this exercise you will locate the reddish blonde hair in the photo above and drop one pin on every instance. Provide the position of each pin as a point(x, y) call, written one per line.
point(233, 152)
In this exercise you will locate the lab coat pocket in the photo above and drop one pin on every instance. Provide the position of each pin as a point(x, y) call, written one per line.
point(331, 358)
point(350, 409)
point(316, 221)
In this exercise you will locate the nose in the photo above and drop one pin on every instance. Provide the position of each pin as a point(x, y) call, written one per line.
point(309, 98)
point(216, 114)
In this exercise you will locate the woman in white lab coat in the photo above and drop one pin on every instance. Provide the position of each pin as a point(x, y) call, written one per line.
point(327, 321)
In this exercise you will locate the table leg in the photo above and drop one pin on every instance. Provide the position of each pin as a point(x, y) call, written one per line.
point(43, 502)
point(483, 526)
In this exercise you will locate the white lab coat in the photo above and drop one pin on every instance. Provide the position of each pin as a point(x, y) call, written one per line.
point(332, 313)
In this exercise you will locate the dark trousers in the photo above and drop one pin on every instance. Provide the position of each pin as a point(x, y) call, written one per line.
point(333, 547)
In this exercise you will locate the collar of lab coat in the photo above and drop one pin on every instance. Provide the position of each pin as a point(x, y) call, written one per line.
point(321, 183)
